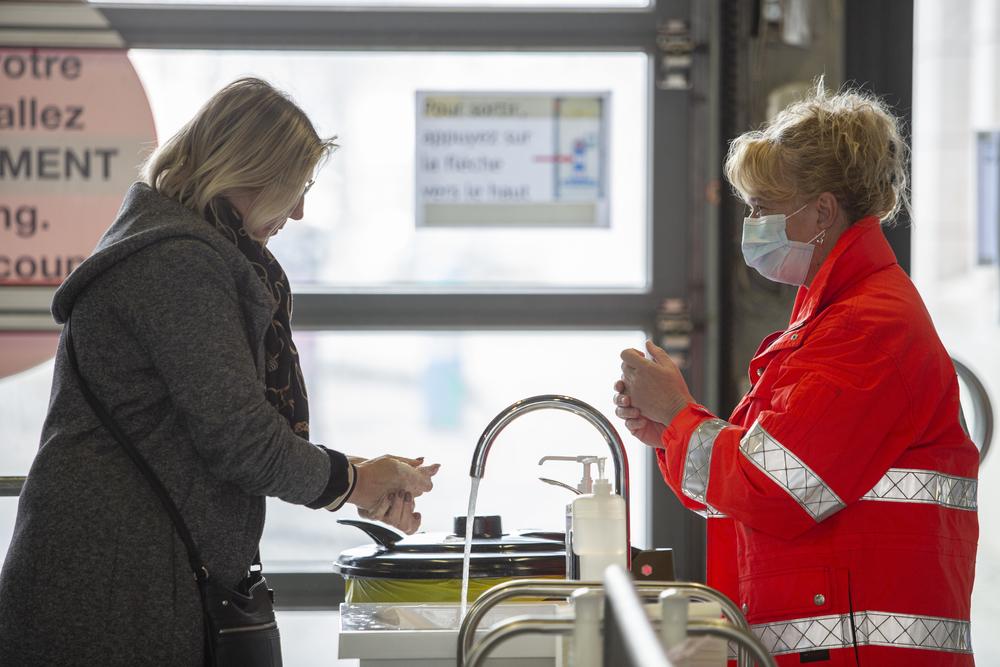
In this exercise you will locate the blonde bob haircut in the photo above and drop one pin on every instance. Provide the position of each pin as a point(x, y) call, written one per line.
point(249, 137)
point(848, 144)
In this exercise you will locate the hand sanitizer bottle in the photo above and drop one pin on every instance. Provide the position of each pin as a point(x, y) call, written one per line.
point(595, 523)
point(596, 536)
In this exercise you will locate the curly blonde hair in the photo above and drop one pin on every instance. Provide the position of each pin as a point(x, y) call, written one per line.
point(249, 137)
point(848, 144)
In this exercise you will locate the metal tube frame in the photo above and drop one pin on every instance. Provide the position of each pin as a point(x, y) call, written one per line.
point(522, 625)
point(383, 28)
point(505, 591)
point(623, 607)
point(11, 486)
point(982, 433)
point(564, 589)
point(744, 638)
point(512, 627)
point(620, 591)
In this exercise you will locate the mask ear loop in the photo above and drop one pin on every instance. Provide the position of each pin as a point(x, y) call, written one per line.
point(819, 238)
point(797, 211)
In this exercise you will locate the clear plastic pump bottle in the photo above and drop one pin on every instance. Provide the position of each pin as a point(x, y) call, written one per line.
point(596, 523)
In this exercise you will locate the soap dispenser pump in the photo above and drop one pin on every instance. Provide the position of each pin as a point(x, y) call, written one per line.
point(586, 484)
point(595, 524)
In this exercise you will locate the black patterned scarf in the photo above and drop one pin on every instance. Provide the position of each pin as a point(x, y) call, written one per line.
point(285, 387)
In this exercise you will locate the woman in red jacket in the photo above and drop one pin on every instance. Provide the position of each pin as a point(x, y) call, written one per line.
point(841, 491)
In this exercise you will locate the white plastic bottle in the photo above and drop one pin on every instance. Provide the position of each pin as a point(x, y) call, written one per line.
point(597, 529)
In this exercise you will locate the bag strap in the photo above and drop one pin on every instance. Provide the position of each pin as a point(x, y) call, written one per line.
point(194, 559)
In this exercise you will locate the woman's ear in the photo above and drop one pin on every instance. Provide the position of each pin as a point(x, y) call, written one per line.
point(829, 210)
point(240, 202)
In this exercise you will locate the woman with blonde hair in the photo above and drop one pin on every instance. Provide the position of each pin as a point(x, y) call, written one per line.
point(177, 384)
point(841, 491)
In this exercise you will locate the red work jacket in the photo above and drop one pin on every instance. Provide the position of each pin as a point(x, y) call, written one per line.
point(841, 492)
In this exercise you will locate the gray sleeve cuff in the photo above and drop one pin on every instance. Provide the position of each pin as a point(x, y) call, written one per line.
point(352, 479)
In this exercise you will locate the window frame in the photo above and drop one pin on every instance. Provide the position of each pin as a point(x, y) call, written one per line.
point(679, 305)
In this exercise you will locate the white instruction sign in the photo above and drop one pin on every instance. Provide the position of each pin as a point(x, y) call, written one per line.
point(511, 159)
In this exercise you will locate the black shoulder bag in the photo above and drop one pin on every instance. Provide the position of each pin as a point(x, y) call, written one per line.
point(240, 628)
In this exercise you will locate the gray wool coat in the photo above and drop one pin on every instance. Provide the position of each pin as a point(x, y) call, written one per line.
point(168, 322)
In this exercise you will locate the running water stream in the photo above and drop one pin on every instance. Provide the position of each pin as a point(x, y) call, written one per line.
point(470, 519)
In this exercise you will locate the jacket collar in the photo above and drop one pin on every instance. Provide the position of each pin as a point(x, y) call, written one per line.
point(860, 251)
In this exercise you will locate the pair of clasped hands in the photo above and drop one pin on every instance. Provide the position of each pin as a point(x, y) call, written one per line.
point(385, 489)
point(650, 393)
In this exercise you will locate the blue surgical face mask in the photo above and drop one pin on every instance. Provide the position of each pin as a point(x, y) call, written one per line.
point(767, 249)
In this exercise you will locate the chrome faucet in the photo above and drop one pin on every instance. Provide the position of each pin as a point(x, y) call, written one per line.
point(577, 407)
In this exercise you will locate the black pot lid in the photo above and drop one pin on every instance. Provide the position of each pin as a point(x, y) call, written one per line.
point(439, 555)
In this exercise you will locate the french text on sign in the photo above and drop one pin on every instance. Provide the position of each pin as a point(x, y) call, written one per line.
point(30, 269)
point(53, 163)
point(21, 220)
point(38, 65)
point(28, 113)
point(495, 159)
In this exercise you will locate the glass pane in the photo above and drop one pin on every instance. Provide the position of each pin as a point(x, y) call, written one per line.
point(987, 197)
point(427, 394)
point(8, 512)
point(432, 394)
point(359, 228)
point(24, 400)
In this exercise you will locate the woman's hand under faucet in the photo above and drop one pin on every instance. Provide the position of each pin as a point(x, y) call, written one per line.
point(386, 487)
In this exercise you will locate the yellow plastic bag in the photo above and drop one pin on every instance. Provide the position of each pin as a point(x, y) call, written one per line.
point(366, 589)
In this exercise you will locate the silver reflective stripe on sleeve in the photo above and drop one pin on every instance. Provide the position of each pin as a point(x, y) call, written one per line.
point(790, 473)
point(874, 628)
point(698, 461)
point(711, 513)
point(902, 485)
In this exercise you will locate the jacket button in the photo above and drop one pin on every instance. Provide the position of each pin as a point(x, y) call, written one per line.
point(819, 599)
point(760, 371)
point(745, 608)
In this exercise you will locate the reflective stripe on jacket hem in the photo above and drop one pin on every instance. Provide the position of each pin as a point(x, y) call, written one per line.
point(903, 485)
point(872, 628)
point(698, 461)
point(790, 473)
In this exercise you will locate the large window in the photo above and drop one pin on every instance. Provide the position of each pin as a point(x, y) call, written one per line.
point(359, 229)
point(417, 394)
point(412, 337)
point(431, 394)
